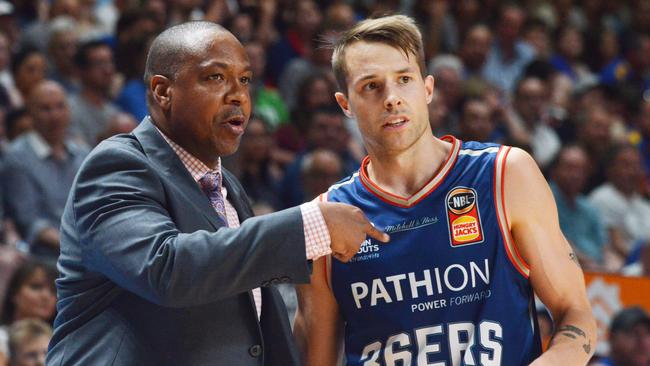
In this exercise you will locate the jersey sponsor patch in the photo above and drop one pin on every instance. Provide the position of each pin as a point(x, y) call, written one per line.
point(463, 217)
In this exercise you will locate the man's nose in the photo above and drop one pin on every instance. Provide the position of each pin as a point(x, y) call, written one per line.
point(393, 99)
point(237, 94)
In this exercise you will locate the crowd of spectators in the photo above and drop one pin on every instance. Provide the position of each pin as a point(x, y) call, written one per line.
point(567, 80)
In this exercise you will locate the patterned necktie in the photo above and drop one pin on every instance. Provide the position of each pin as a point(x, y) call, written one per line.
point(211, 186)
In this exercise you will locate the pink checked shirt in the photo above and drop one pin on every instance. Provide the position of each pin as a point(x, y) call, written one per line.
point(317, 238)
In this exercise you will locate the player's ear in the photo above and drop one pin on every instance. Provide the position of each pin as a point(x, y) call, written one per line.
point(429, 82)
point(342, 100)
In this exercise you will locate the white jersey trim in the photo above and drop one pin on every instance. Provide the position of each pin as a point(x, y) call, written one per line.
point(487, 150)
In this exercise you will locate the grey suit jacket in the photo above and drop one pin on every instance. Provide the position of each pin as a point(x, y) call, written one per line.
point(148, 277)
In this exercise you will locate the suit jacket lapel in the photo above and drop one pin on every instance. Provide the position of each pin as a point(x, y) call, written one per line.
point(164, 159)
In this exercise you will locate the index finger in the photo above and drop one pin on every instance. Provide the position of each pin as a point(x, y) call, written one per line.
point(375, 233)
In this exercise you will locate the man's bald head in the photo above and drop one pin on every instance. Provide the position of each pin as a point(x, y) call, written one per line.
point(42, 90)
point(170, 48)
point(49, 109)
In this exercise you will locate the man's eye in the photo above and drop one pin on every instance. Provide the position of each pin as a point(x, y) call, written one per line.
point(216, 77)
point(245, 80)
point(371, 86)
point(405, 79)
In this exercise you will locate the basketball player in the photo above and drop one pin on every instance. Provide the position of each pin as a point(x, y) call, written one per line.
point(474, 233)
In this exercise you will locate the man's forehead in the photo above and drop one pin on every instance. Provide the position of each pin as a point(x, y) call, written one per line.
point(363, 58)
point(219, 49)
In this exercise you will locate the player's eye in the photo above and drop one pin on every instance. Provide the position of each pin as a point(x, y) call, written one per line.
point(405, 79)
point(371, 86)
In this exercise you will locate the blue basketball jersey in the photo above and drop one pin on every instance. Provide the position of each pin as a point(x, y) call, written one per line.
point(450, 288)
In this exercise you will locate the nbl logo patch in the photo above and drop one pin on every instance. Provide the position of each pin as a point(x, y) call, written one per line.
point(463, 217)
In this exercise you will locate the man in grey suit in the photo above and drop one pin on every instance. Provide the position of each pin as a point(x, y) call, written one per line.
point(154, 267)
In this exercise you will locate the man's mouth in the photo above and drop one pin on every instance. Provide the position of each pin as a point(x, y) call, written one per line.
point(395, 122)
point(236, 121)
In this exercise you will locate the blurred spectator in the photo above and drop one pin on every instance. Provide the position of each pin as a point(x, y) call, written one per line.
point(579, 220)
point(325, 130)
point(447, 71)
point(640, 267)
point(37, 33)
point(629, 339)
point(28, 69)
point(91, 108)
point(625, 213)
point(568, 12)
point(475, 123)
point(315, 92)
point(634, 68)
point(181, 11)
point(133, 96)
point(119, 123)
point(527, 126)
point(28, 340)
point(30, 294)
point(133, 23)
point(607, 50)
point(8, 24)
point(339, 15)
point(267, 102)
point(438, 114)
point(641, 139)
point(535, 32)
point(259, 174)
point(509, 54)
point(254, 21)
point(474, 50)
point(437, 26)
point(39, 169)
point(594, 135)
point(320, 169)
point(305, 19)
point(61, 49)
point(17, 122)
point(242, 26)
point(567, 60)
point(468, 13)
point(6, 78)
point(317, 61)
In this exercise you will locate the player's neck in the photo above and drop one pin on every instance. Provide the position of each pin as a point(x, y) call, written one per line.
point(404, 173)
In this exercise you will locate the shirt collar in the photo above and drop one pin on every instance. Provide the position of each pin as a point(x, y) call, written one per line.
point(193, 165)
point(39, 145)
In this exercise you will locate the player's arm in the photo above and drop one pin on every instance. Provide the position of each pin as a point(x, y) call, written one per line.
point(318, 325)
point(555, 273)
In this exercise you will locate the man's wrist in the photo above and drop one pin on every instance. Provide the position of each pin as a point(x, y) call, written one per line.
point(317, 237)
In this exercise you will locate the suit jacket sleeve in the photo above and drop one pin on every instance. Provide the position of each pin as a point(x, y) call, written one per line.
point(127, 234)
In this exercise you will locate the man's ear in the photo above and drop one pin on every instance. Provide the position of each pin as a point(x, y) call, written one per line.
point(161, 91)
point(429, 82)
point(342, 100)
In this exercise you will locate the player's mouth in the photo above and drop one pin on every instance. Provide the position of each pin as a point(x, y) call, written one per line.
point(395, 122)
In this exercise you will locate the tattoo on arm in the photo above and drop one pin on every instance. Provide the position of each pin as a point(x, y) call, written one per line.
point(573, 332)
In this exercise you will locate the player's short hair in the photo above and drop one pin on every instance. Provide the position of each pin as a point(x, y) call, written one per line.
point(398, 31)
